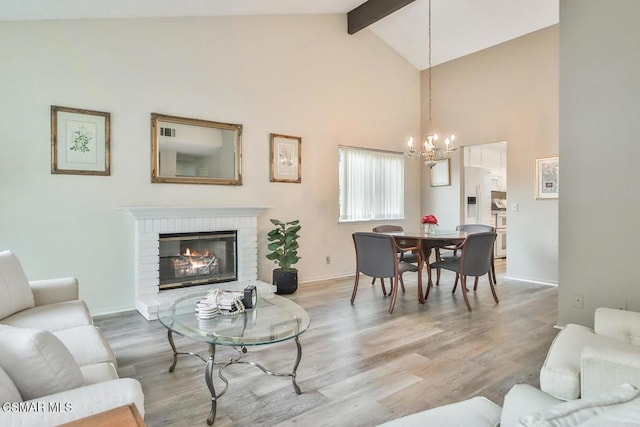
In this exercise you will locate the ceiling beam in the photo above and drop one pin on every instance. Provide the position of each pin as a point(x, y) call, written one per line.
point(372, 11)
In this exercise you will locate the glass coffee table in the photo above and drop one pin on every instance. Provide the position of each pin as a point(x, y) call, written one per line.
point(274, 319)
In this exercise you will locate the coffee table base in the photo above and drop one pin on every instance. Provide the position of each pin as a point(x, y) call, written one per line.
point(209, 369)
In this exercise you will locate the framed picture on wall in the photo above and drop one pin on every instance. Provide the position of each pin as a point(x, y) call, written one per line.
point(547, 177)
point(80, 141)
point(441, 173)
point(285, 158)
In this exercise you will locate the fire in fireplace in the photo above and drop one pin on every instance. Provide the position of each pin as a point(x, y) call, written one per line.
point(189, 259)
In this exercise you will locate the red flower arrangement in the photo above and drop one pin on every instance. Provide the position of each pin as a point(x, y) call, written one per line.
point(430, 219)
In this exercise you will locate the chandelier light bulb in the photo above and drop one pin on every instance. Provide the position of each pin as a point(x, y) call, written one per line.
point(410, 143)
point(449, 142)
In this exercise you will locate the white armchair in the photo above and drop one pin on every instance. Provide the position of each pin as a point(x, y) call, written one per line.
point(42, 304)
point(51, 291)
point(610, 353)
point(52, 357)
point(622, 325)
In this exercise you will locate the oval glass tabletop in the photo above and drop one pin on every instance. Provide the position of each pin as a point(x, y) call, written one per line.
point(273, 319)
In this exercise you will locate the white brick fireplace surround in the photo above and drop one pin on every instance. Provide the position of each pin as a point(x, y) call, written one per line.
point(150, 222)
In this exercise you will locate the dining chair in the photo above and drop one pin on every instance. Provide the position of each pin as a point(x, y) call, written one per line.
point(475, 260)
point(406, 256)
point(468, 228)
point(377, 257)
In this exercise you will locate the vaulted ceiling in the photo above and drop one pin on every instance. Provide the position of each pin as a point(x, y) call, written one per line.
point(459, 27)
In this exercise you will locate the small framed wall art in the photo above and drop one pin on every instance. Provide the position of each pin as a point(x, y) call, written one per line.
point(547, 177)
point(80, 141)
point(441, 173)
point(286, 158)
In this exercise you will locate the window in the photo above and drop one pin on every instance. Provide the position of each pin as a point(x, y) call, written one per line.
point(371, 184)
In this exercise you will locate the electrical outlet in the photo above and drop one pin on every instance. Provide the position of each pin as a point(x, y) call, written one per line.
point(578, 301)
point(328, 259)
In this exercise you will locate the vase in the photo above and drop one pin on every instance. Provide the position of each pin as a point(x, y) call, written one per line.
point(429, 228)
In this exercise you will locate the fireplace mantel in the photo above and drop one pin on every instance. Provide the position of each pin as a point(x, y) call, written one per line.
point(149, 212)
point(151, 221)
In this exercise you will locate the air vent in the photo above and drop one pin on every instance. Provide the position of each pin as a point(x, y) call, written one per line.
point(170, 132)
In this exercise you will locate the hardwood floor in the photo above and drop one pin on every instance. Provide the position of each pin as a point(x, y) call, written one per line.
point(360, 366)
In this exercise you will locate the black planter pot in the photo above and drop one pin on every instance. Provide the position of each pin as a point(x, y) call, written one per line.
point(285, 281)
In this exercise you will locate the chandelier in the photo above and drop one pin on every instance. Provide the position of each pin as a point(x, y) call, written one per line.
point(430, 149)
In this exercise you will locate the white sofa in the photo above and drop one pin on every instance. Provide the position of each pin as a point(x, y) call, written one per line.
point(55, 365)
point(589, 378)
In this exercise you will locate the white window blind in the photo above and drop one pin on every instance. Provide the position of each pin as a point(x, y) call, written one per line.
point(371, 184)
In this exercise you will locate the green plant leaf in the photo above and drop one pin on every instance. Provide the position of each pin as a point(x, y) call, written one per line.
point(284, 243)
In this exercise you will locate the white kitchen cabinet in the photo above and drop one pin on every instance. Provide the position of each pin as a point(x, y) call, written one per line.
point(473, 156)
point(489, 156)
point(496, 182)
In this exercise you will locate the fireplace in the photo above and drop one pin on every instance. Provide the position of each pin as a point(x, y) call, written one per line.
point(150, 223)
point(190, 259)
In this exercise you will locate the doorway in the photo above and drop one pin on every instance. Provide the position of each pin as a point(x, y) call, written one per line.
point(484, 190)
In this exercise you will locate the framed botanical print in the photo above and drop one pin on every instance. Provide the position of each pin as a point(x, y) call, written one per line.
point(285, 158)
point(80, 141)
point(547, 177)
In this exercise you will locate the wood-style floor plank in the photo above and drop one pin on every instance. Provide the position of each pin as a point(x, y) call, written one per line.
point(360, 366)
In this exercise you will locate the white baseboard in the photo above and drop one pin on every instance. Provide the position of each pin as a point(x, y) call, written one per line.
point(320, 279)
point(108, 312)
point(538, 282)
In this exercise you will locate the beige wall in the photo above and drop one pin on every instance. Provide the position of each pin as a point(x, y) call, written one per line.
point(505, 93)
point(297, 75)
point(599, 149)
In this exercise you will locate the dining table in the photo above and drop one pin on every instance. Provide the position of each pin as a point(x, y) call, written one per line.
point(427, 242)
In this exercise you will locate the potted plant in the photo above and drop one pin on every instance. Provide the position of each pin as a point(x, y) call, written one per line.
point(283, 244)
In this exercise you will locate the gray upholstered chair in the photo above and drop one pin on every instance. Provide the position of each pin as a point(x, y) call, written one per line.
point(475, 260)
point(387, 228)
point(404, 255)
point(453, 251)
point(377, 257)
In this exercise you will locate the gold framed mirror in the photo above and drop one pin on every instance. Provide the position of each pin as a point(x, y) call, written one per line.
point(193, 151)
